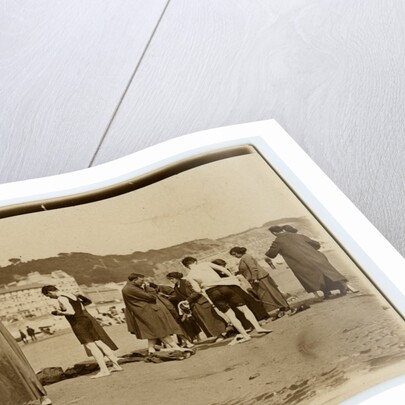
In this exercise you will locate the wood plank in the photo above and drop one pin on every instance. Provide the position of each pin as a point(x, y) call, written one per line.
point(63, 68)
point(330, 72)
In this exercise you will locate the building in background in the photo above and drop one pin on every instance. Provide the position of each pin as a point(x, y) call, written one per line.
point(104, 293)
point(23, 300)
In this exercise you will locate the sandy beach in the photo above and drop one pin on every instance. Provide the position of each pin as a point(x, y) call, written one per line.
point(323, 355)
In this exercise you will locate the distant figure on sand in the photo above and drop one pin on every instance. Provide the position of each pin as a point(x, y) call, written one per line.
point(260, 280)
point(31, 333)
point(18, 382)
point(84, 327)
point(23, 336)
point(223, 293)
point(203, 312)
point(310, 266)
point(147, 317)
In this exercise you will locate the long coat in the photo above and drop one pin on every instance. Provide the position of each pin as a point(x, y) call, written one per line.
point(147, 317)
point(266, 288)
point(204, 314)
point(18, 382)
point(308, 265)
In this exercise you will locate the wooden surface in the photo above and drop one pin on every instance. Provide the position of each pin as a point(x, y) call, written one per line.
point(83, 83)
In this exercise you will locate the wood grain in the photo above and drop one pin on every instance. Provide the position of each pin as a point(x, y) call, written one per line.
point(330, 72)
point(63, 67)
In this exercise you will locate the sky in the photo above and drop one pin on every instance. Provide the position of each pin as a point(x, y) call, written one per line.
point(210, 201)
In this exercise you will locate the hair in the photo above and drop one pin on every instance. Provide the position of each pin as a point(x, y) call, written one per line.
point(219, 262)
point(238, 249)
point(175, 274)
point(289, 228)
point(47, 289)
point(276, 229)
point(135, 276)
point(188, 260)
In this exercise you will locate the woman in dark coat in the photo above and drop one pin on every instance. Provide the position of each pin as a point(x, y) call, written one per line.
point(310, 266)
point(203, 312)
point(261, 282)
point(162, 294)
point(18, 382)
point(147, 317)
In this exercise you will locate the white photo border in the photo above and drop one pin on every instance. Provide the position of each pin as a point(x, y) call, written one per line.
point(351, 229)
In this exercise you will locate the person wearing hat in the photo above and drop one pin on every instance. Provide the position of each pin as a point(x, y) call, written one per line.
point(311, 267)
point(147, 317)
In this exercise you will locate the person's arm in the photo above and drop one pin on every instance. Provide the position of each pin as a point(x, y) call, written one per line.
point(194, 295)
point(316, 245)
point(65, 307)
point(140, 295)
point(84, 300)
point(274, 250)
point(220, 269)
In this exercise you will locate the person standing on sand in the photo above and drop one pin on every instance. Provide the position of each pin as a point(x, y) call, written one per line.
point(147, 317)
point(31, 333)
point(311, 267)
point(202, 310)
point(223, 292)
point(83, 327)
point(261, 282)
point(18, 382)
point(23, 336)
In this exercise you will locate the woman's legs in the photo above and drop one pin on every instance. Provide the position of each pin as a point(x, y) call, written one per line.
point(237, 324)
point(99, 357)
point(109, 353)
point(252, 319)
point(151, 346)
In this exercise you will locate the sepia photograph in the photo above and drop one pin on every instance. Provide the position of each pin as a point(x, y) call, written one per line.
point(207, 283)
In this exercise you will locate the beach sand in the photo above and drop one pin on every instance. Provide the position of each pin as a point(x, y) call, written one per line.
point(326, 354)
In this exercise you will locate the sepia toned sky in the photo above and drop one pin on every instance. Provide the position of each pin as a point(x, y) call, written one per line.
point(210, 201)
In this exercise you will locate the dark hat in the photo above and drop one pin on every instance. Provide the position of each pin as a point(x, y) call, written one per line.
point(276, 229)
point(134, 276)
point(175, 274)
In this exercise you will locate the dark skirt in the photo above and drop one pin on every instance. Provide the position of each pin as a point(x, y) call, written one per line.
point(208, 320)
point(83, 328)
point(270, 295)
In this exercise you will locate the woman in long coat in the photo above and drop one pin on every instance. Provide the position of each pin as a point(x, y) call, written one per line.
point(147, 317)
point(261, 282)
point(18, 382)
point(310, 266)
point(203, 312)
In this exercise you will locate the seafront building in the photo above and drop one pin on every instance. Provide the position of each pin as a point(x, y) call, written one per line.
point(104, 293)
point(23, 300)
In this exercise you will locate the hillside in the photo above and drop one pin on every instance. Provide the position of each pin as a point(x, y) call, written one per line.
point(87, 268)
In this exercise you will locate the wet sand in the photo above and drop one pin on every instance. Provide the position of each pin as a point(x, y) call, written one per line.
point(323, 355)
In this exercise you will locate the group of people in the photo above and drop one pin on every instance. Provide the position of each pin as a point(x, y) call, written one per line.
point(209, 299)
point(30, 333)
